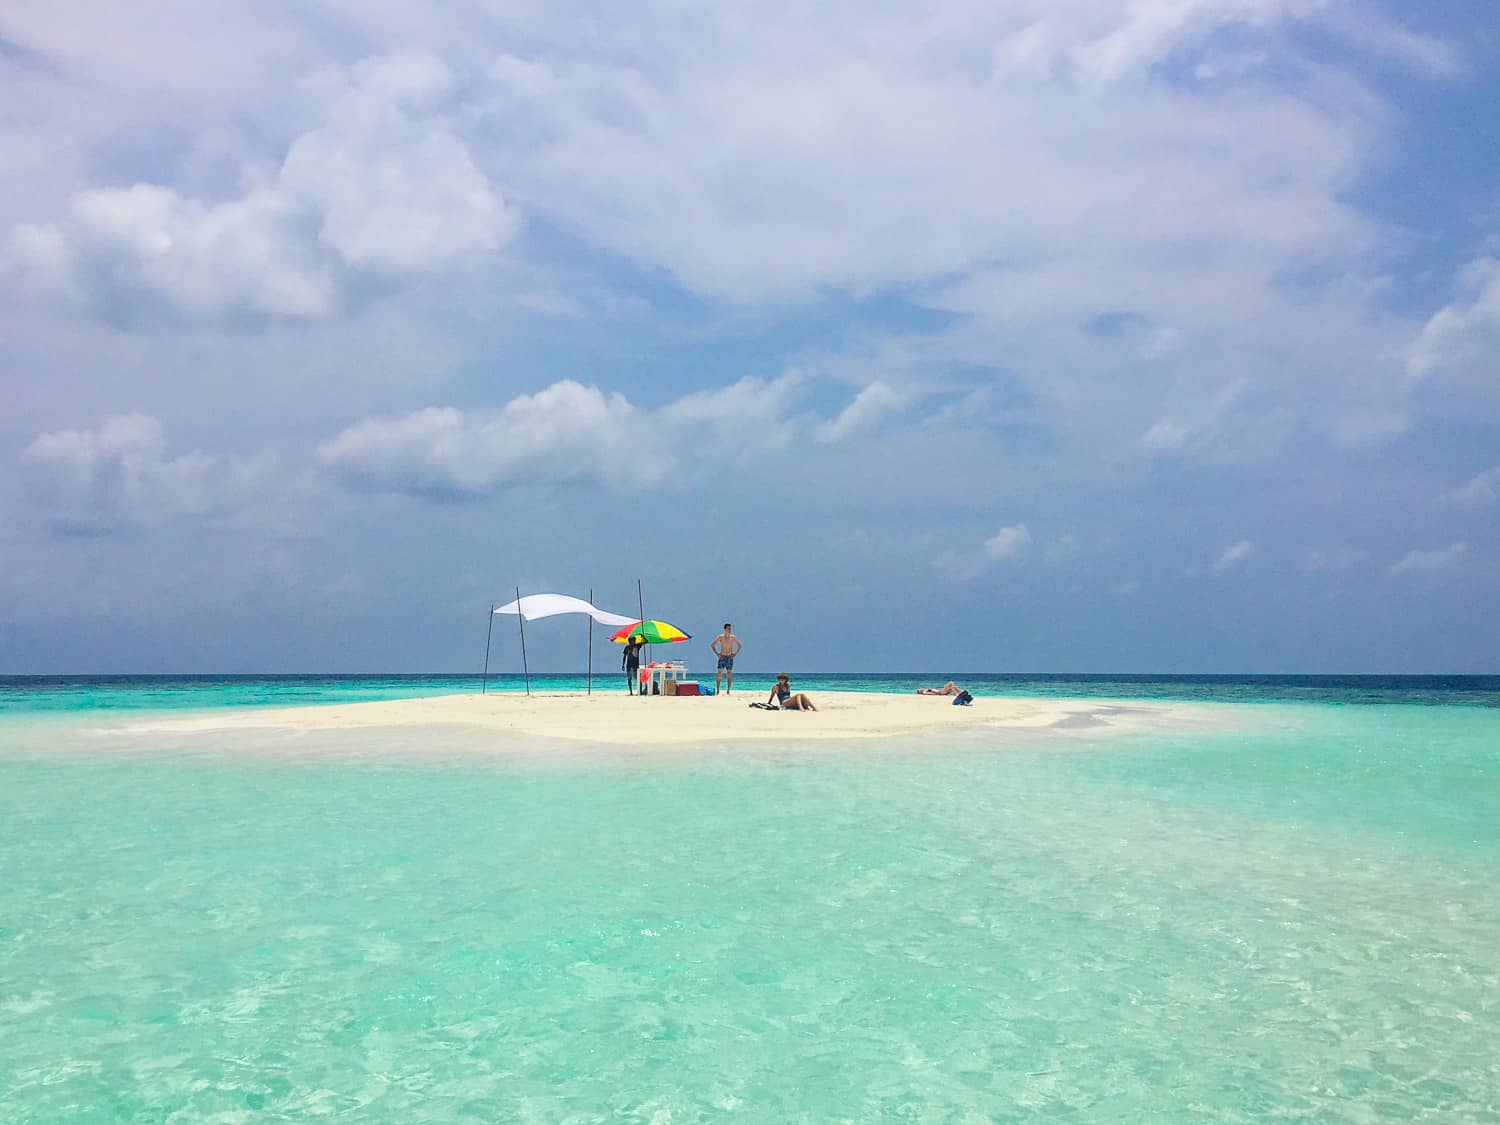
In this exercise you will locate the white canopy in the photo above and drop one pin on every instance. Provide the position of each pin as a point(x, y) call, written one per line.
point(533, 606)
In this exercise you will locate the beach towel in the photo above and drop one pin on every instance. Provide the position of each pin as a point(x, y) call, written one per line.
point(765, 707)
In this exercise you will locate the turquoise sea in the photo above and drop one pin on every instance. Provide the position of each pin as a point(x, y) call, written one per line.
point(1288, 914)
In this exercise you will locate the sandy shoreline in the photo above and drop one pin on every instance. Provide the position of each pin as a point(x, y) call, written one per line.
point(620, 720)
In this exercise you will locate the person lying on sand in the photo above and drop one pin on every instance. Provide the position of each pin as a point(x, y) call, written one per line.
point(950, 688)
point(790, 700)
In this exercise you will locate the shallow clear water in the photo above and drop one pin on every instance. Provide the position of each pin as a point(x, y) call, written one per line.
point(1292, 916)
point(31, 695)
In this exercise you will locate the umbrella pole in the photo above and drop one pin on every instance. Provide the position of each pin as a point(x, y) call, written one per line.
point(489, 630)
point(640, 604)
point(521, 621)
point(591, 644)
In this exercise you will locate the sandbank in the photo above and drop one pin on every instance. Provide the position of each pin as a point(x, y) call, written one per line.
point(616, 719)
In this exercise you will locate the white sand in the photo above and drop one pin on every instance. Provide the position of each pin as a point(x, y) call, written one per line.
point(619, 720)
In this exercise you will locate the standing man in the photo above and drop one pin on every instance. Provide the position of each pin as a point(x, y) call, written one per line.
point(630, 660)
point(726, 647)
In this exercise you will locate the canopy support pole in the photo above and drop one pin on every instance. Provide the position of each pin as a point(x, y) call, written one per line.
point(521, 621)
point(488, 632)
point(591, 644)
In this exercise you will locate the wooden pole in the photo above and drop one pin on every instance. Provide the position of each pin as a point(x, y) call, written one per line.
point(591, 643)
point(521, 620)
point(488, 630)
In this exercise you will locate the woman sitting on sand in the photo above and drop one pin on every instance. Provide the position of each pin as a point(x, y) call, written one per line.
point(950, 688)
point(782, 693)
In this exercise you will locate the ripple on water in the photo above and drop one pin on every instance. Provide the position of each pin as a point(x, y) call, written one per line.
point(1192, 925)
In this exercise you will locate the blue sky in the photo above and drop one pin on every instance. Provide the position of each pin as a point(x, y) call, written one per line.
point(1047, 336)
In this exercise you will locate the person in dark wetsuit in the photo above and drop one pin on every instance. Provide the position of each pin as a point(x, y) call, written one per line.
point(631, 662)
point(790, 700)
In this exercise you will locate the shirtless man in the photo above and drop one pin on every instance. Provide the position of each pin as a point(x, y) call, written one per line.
point(726, 647)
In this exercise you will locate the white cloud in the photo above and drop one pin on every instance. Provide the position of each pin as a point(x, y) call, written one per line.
point(565, 433)
point(1234, 554)
point(190, 54)
point(749, 403)
point(569, 433)
point(1149, 30)
point(118, 477)
point(1428, 55)
point(1430, 562)
point(1480, 490)
point(1022, 167)
point(382, 185)
point(869, 407)
point(1008, 543)
point(908, 146)
point(394, 187)
point(961, 566)
point(739, 423)
point(966, 564)
point(913, 147)
point(1459, 331)
point(203, 259)
point(1164, 436)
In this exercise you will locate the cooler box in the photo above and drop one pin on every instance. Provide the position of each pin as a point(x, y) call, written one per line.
point(688, 687)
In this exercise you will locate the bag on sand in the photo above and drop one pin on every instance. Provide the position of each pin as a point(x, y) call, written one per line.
point(765, 707)
point(962, 699)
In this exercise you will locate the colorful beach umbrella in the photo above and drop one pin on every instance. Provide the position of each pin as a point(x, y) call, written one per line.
point(652, 632)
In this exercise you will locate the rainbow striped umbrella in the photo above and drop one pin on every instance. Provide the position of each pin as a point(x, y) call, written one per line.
point(652, 632)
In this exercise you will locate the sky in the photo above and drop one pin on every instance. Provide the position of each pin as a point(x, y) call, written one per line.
point(1016, 335)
